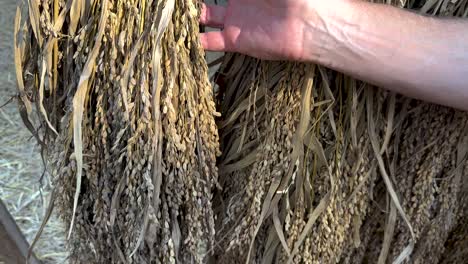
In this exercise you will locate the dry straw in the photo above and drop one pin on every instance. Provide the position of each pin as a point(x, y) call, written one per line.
point(128, 125)
point(315, 167)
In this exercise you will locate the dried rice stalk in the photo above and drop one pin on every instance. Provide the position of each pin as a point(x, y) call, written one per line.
point(125, 86)
point(320, 168)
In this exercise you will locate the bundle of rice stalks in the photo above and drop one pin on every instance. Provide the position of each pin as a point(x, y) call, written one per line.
point(316, 167)
point(320, 168)
point(127, 125)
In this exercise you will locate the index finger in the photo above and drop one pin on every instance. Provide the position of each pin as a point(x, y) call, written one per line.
point(212, 15)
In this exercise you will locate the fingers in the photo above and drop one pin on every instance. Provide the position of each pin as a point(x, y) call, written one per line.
point(214, 41)
point(212, 16)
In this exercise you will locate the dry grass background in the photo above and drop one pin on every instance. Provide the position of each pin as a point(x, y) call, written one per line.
point(20, 163)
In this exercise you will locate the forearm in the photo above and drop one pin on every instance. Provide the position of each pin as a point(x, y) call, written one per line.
point(421, 57)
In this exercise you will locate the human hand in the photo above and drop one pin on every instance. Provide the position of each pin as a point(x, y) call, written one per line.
point(265, 29)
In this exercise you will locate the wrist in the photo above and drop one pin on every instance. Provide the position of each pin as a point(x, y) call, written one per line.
point(325, 27)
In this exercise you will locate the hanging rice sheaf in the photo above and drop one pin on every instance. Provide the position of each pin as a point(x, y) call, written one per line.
point(128, 125)
point(320, 168)
point(314, 167)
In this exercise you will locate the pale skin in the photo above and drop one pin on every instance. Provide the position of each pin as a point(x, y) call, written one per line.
point(421, 57)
